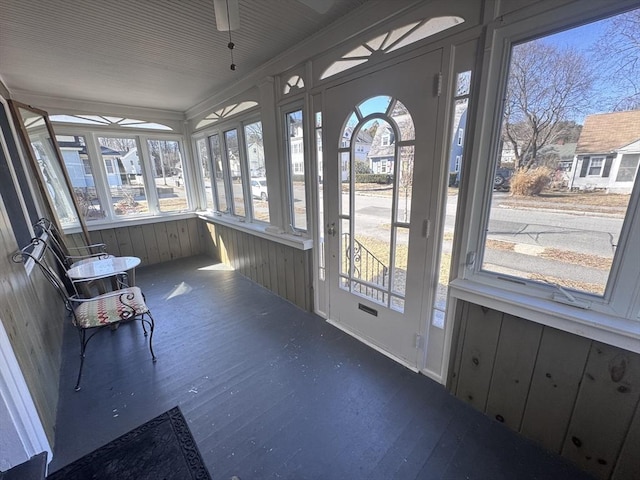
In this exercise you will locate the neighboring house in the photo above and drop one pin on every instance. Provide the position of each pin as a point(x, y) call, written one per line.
point(457, 144)
point(296, 148)
point(361, 149)
point(78, 166)
point(383, 145)
point(507, 154)
point(382, 152)
point(131, 163)
point(255, 155)
point(608, 153)
point(560, 159)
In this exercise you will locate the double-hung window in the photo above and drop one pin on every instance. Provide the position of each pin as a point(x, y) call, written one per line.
point(595, 166)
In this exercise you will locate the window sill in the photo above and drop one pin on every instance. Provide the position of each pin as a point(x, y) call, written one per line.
point(129, 221)
point(300, 242)
point(609, 329)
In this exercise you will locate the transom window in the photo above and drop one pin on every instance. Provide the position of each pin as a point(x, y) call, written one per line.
point(225, 112)
point(391, 41)
point(108, 121)
point(294, 84)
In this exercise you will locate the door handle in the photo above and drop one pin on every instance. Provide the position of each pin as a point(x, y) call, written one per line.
point(331, 229)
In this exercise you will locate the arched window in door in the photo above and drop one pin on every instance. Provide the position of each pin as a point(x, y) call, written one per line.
point(376, 154)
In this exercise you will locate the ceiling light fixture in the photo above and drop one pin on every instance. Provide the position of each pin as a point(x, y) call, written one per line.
point(227, 19)
point(227, 15)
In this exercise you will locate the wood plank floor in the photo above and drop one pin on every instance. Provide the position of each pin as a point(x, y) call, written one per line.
point(273, 392)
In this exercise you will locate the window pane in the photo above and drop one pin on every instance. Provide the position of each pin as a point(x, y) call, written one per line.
point(321, 246)
point(166, 164)
point(405, 181)
point(374, 105)
point(218, 169)
point(345, 162)
point(46, 158)
point(255, 158)
point(558, 203)
point(404, 122)
point(205, 164)
point(233, 159)
point(463, 83)
point(295, 140)
point(76, 160)
point(126, 184)
point(628, 168)
point(400, 265)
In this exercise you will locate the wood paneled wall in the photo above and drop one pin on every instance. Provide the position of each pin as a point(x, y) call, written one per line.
point(152, 243)
point(33, 316)
point(284, 270)
point(574, 396)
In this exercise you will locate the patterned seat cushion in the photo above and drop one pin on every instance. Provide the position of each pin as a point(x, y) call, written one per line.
point(110, 308)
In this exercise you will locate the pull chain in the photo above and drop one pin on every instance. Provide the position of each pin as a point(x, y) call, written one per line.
point(230, 45)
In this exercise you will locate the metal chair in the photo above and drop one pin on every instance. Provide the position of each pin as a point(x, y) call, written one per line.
point(68, 257)
point(90, 315)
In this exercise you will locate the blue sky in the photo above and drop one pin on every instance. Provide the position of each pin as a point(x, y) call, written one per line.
point(581, 38)
point(584, 39)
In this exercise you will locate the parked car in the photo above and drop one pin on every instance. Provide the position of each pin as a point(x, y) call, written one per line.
point(259, 188)
point(502, 178)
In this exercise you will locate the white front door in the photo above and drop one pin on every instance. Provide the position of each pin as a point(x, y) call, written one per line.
point(381, 130)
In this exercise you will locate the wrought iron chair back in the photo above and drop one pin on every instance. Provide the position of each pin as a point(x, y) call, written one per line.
point(90, 314)
point(68, 256)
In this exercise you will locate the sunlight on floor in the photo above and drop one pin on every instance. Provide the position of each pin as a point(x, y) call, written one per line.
point(181, 289)
point(218, 266)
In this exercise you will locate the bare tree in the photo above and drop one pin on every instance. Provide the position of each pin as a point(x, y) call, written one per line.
point(618, 51)
point(405, 168)
point(405, 180)
point(546, 87)
point(122, 145)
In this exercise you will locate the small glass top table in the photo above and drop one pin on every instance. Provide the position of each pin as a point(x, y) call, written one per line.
point(104, 268)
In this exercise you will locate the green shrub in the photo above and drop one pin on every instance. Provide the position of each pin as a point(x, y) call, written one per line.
point(530, 182)
point(297, 177)
point(383, 178)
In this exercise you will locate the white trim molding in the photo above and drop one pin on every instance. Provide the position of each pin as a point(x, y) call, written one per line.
point(16, 396)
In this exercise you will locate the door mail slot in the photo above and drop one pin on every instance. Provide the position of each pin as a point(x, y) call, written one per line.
point(369, 310)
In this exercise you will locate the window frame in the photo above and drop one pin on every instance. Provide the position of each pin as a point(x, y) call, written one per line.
point(592, 160)
point(247, 168)
point(220, 129)
point(287, 152)
point(613, 318)
point(91, 134)
point(18, 181)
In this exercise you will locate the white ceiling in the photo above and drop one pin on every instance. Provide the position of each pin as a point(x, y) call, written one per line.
point(163, 54)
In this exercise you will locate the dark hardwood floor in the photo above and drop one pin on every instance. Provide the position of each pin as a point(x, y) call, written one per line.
point(273, 392)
